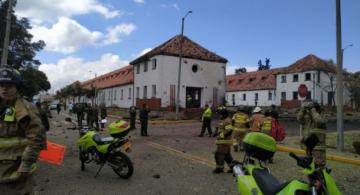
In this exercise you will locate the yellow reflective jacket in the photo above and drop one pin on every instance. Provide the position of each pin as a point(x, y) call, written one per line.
point(224, 132)
point(21, 138)
point(241, 121)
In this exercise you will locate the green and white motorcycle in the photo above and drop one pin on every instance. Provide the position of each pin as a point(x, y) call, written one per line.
point(255, 179)
point(109, 150)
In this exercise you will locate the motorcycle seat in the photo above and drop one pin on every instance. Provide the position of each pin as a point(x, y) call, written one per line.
point(267, 183)
point(102, 141)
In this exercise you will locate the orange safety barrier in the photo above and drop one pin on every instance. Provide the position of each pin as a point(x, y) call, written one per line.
point(54, 153)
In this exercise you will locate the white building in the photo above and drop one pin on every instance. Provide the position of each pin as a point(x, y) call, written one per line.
point(113, 89)
point(156, 75)
point(279, 86)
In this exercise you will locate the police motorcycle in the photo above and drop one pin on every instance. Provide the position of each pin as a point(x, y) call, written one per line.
point(109, 150)
point(256, 179)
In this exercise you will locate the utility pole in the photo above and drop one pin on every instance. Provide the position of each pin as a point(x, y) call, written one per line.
point(339, 80)
point(5, 50)
point(180, 59)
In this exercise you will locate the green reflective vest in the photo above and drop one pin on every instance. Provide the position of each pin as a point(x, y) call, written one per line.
point(266, 125)
point(207, 113)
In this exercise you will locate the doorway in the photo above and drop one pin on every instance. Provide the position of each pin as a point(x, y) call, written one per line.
point(193, 97)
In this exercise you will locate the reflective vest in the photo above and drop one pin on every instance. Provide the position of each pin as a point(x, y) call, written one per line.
point(266, 125)
point(224, 135)
point(240, 120)
point(207, 113)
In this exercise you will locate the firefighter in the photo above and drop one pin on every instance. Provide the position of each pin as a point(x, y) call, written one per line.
point(241, 126)
point(256, 119)
point(266, 126)
point(206, 121)
point(314, 123)
point(22, 136)
point(223, 142)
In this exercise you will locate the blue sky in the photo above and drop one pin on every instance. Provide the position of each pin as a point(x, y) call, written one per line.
point(104, 35)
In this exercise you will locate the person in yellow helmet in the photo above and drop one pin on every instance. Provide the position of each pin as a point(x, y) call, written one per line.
point(22, 136)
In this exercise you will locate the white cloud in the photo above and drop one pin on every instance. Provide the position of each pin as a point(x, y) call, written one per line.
point(45, 10)
point(230, 69)
point(71, 69)
point(174, 5)
point(139, 1)
point(65, 36)
point(114, 33)
point(144, 51)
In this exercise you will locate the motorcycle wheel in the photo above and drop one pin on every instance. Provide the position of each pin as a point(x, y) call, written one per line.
point(82, 156)
point(124, 167)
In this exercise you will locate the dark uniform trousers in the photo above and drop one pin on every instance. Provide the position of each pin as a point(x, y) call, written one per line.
point(144, 125)
point(222, 154)
point(206, 125)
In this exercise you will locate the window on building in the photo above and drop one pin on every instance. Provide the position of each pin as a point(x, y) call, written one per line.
point(308, 95)
point(283, 95)
point(109, 97)
point(233, 99)
point(244, 96)
point(145, 66)
point(307, 76)
point(115, 94)
point(122, 94)
point(153, 93)
point(138, 69)
point(295, 78)
point(129, 97)
point(145, 92)
point(256, 96)
point(295, 95)
point(283, 78)
point(318, 76)
point(153, 64)
point(270, 96)
point(137, 92)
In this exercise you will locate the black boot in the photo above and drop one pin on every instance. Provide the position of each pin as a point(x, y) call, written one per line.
point(218, 170)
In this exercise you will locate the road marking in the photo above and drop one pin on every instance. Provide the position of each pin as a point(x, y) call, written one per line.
point(182, 154)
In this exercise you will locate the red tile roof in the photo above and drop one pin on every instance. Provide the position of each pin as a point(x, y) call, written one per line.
point(256, 80)
point(190, 49)
point(117, 77)
point(265, 79)
point(309, 62)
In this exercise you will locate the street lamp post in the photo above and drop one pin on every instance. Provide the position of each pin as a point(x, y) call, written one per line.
point(180, 59)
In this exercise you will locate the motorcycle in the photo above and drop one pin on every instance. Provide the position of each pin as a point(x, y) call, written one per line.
point(256, 179)
point(109, 150)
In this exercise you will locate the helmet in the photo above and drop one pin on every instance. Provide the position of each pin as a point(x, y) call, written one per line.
point(10, 75)
point(257, 109)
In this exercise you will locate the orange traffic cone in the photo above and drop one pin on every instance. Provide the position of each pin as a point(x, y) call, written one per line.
point(54, 153)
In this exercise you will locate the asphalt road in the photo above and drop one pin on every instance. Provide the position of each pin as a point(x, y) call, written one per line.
point(173, 160)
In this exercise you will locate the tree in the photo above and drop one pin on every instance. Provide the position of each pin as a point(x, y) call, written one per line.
point(240, 70)
point(31, 86)
point(266, 66)
point(353, 82)
point(22, 50)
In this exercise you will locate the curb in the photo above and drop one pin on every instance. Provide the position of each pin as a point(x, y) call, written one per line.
point(328, 157)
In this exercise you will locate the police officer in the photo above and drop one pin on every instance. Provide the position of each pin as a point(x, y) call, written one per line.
point(144, 117)
point(22, 136)
point(132, 114)
point(223, 142)
point(241, 127)
point(314, 123)
point(206, 121)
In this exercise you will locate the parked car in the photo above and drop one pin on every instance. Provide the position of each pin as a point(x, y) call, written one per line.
point(53, 106)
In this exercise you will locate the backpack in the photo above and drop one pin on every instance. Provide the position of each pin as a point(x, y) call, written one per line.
point(277, 131)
